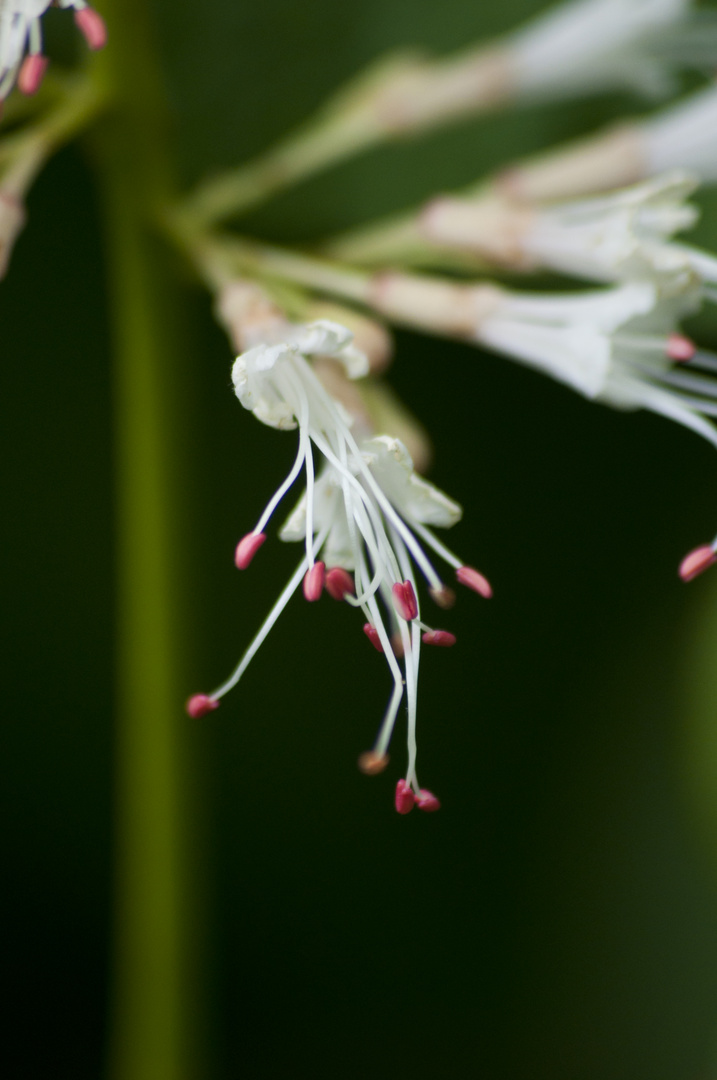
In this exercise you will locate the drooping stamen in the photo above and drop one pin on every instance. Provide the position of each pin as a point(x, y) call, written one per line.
point(474, 580)
point(680, 348)
point(372, 634)
point(404, 599)
point(247, 548)
point(92, 27)
point(314, 582)
point(696, 562)
point(199, 705)
point(265, 628)
point(426, 800)
point(372, 763)
point(444, 598)
point(339, 584)
point(31, 73)
point(404, 799)
point(439, 637)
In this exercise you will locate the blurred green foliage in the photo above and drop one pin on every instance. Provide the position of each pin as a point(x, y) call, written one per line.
point(557, 919)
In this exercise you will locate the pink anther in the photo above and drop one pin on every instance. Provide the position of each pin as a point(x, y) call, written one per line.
point(404, 798)
point(372, 763)
point(680, 348)
point(200, 705)
point(472, 579)
point(247, 549)
point(372, 634)
point(314, 581)
point(92, 27)
point(339, 583)
point(426, 800)
point(439, 637)
point(444, 597)
point(697, 561)
point(31, 73)
point(405, 600)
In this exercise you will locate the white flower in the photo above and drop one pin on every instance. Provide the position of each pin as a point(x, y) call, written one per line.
point(21, 32)
point(589, 45)
point(622, 236)
point(620, 346)
point(684, 136)
point(365, 521)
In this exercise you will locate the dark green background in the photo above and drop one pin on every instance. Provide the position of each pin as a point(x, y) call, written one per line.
point(558, 918)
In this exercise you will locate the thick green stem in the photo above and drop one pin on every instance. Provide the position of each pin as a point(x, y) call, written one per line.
point(157, 1000)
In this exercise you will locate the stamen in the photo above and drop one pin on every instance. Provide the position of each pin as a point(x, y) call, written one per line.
point(92, 27)
point(444, 597)
point(696, 562)
point(31, 73)
point(314, 582)
point(427, 801)
point(680, 348)
point(474, 580)
point(372, 763)
point(405, 601)
point(372, 634)
point(397, 645)
point(200, 705)
point(439, 637)
point(247, 548)
point(339, 584)
point(404, 799)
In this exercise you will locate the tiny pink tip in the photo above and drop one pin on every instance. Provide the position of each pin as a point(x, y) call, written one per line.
point(339, 583)
point(680, 348)
point(314, 581)
point(247, 549)
point(31, 73)
point(405, 600)
point(427, 801)
point(696, 562)
point(439, 637)
point(200, 705)
point(472, 579)
point(404, 798)
point(372, 634)
point(92, 27)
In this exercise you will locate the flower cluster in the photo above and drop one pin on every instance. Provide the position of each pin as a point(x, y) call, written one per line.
point(365, 521)
point(21, 57)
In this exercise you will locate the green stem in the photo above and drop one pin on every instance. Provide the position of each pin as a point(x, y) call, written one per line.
point(157, 1000)
point(350, 122)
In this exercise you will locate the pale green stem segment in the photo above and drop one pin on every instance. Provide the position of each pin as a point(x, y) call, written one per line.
point(157, 1001)
point(349, 123)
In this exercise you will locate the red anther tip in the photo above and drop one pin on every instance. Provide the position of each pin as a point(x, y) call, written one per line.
point(405, 600)
point(372, 763)
point(680, 348)
point(697, 561)
point(200, 705)
point(247, 549)
point(372, 634)
point(426, 800)
point(339, 583)
point(92, 27)
point(472, 579)
point(314, 582)
point(31, 73)
point(439, 637)
point(444, 597)
point(404, 798)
